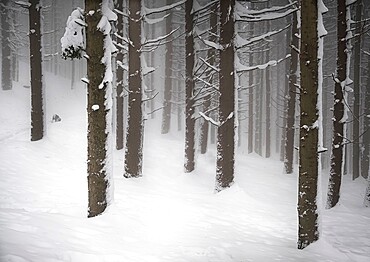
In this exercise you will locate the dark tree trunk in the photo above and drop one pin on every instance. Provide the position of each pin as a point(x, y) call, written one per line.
point(189, 110)
point(288, 40)
point(308, 156)
point(134, 137)
point(259, 109)
point(96, 113)
point(356, 95)
point(119, 80)
point(365, 162)
point(37, 111)
point(268, 102)
point(212, 59)
point(15, 50)
point(293, 77)
point(55, 40)
point(6, 76)
point(226, 130)
point(166, 116)
point(367, 194)
point(336, 162)
point(250, 97)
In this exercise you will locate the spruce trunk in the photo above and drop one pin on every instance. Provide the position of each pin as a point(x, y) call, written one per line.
point(119, 80)
point(226, 129)
point(336, 161)
point(167, 104)
point(293, 77)
point(96, 113)
point(134, 137)
point(189, 82)
point(37, 111)
point(308, 156)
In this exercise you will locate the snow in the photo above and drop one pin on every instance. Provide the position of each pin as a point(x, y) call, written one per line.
point(73, 35)
point(109, 48)
point(164, 216)
point(149, 11)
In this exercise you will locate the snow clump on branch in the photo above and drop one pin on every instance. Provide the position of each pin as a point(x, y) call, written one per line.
point(72, 40)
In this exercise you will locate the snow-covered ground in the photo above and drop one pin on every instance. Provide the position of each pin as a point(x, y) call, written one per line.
point(165, 216)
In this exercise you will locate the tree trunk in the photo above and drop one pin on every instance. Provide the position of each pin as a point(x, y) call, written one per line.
point(356, 95)
point(308, 157)
point(365, 162)
point(167, 104)
point(212, 59)
point(37, 111)
point(189, 110)
point(119, 80)
point(250, 97)
point(6, 79)
point(226, 130)
point(135, 128)
point(15, 49)
point(286, 93)
point(267, 100)
point(293, 77)
point(97, 135)
point(336, 161)
point(367, 194)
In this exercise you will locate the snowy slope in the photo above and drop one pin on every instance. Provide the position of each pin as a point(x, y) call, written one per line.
point(164, 216)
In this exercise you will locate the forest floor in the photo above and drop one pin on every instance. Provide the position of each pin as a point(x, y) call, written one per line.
point(164, 216)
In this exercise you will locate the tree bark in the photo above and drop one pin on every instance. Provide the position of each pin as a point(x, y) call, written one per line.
point(119, 80)
point(286, 93)
point(212, 60)
point(365, 162)
point(308, 155)
point(336, 161)
point(6, 78)
point(356, 95)
point(293, 80)
point(250, 97)
point(226, 130)
point(267, 99)
point(167, 104)
point(189, 82)
point(97, 135)
point(135, 128)
point(37, 111)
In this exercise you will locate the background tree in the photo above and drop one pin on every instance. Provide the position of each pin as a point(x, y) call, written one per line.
point(189, 83)
point(119, 77)
point(291, 104)
point(211, 58)
point(366, 141)
point(356, 94)
point(339, 118)
point(167, 103)
point(135, 127)
point(6, 79)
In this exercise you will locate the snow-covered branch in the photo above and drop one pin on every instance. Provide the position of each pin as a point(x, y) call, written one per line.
point(263, 17)
point(72, 40)
point(249, 13)
point(198, 8)
point(243, 68)
point(150, 11)
point(241, 42)
point(159, 39)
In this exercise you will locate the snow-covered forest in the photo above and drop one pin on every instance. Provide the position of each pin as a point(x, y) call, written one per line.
point(185, 130)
